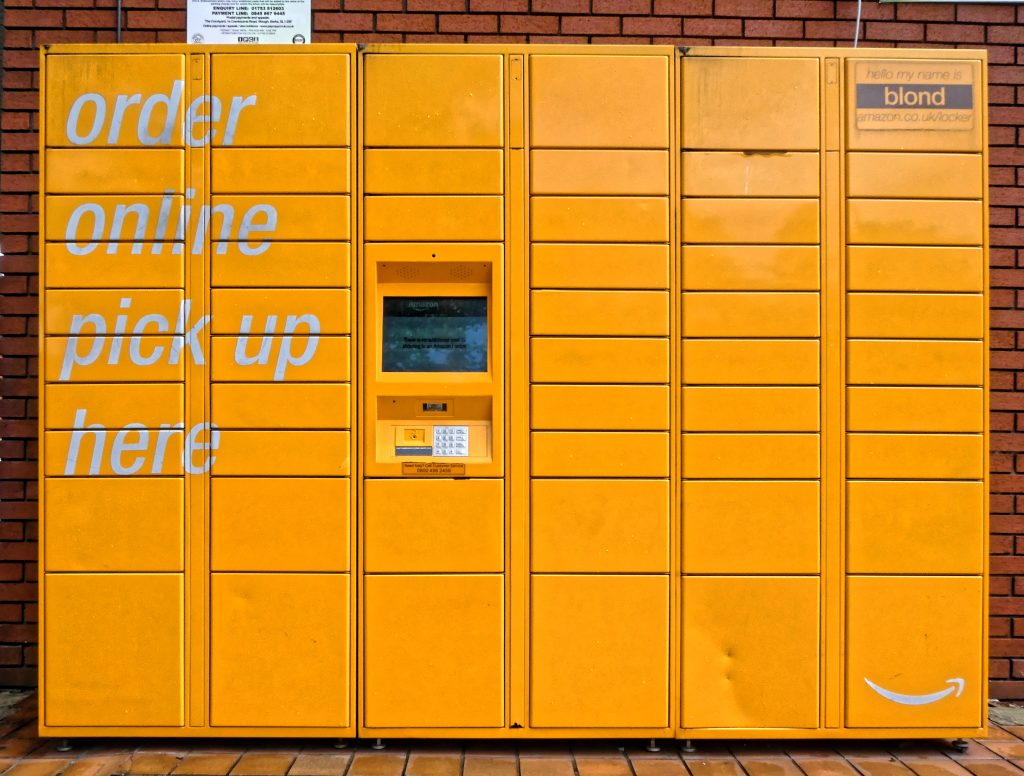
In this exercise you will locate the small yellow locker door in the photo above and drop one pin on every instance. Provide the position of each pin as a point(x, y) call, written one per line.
point(113, 650)
point(914, 652)
point(279, 652)
point(750, 652)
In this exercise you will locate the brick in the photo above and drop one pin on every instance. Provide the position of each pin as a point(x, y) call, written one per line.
point(624, 7)
point(545, 25)
point(743, 8)
point(441, 6)
point(712, 27)
point(344, 21)
point(406, 22)
point(560, 6)
point(773, 28)
point(475, 22)
point(651, 25)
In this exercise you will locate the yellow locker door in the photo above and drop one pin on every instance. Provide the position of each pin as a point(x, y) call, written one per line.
point(279, 650)
point(113, 650)
point(599, 651)
point(434, 652)
point(914, 652)
point(750, 652)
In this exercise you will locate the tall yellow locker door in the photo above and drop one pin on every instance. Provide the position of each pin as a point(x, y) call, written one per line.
point(281, 596)
point(916, 405)
point(751, 399)
point(600, 175)
point(433, 634)
point(112, 501)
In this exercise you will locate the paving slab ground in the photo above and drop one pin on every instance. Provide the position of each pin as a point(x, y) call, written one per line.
point(23, 753)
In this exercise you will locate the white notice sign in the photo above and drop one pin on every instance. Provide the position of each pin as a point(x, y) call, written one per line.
point(249, 21)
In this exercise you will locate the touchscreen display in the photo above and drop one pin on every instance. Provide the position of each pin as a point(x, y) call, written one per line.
point(435, 334)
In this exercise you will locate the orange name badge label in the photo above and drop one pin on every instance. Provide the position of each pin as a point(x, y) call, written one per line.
point(914, 94)
point(417, 469)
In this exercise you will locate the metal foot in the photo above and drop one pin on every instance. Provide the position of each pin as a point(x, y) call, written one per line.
point(653, 746)
point(960, 745)
point(688, 746)
point(63, 745)
point(340, 743)
point(378, 745)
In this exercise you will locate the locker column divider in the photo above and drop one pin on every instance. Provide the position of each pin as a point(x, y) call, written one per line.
point(675, 337)
point(833, 390)
point(516, 400)
point(197, 400)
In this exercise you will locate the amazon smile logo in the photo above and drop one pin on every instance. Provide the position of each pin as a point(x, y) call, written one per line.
point(955, 685)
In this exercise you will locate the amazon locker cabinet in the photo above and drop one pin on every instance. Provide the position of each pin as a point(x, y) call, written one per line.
point(513, 391)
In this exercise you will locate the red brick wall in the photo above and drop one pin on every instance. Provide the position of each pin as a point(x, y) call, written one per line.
point(999, 28)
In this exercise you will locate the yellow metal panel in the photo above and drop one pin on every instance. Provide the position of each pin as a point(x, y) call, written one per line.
point(295, 100)
point(434, 218)
point(454, 677)
point(275, 453)
point(118, 269)
point(751, 268)
point(914, 221)
point(85, 359)
point(292, 309)
point(296, 217)
point(932, 316)
point(433, 100)
point(604, 360)
point(433, 171)
point(753, 362)
point(750, 103)
point(910, 362)
point(433, 525)
point(623, 313)
point(280, 405)
point(751, 409)
point(599, 651)
point(750, 652)
point(749, 220)
point(886, 268)
point(578, 171)
point(938, 176)
point(915, 409)
point(750, 455)
point(279, 650)
point(128, 524)
point(914, 636)
point(96, 452)
point(709, 314)
point(615, 265)
point(102, 120)
point(305, 264)
point(331, 362)
point(64, 307)
point(114, 405)
point(114, 171)
point(595, 454)
point(279, 524)
point(599, 101)
point(915, 527)
point(916, 456)
point(599, 219)
point(601, 526)
point(736, 174)
point(600, 407)
point(733, 527)
point(101, 218)
point(113, 650)
point(280, 170)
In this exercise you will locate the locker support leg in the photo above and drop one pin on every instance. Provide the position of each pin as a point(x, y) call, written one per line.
point(653, 746)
